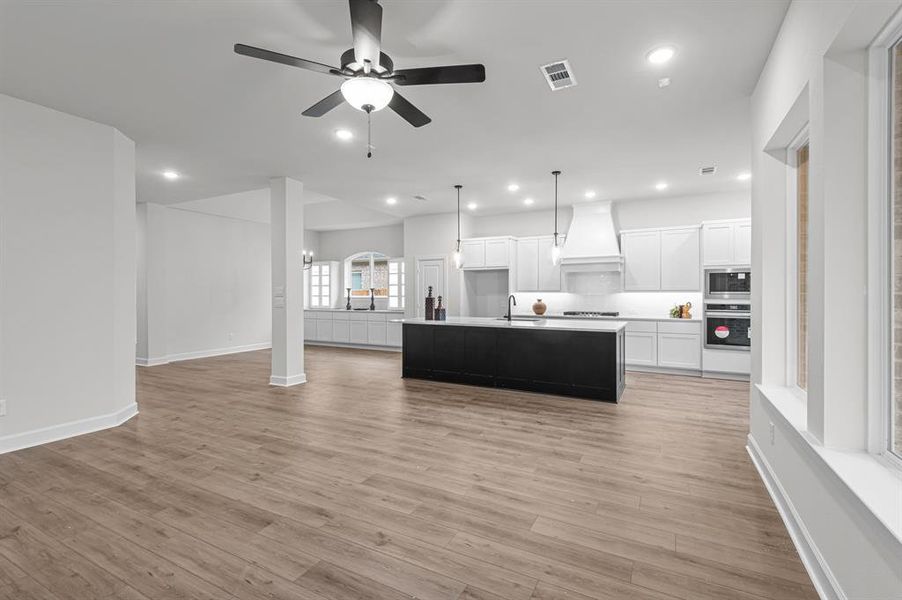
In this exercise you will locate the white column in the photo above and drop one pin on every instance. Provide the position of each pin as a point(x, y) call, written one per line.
point(287, 239)
point(151, 263)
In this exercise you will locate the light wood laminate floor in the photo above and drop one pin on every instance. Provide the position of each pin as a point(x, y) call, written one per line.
point(361, 485)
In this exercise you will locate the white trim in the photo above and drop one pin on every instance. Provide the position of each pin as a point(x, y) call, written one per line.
point(819, 571)
point(352, 346)
point(880, 243)
point(279, 381)
point(152, 362)
point(792, 255)
point(54, 433)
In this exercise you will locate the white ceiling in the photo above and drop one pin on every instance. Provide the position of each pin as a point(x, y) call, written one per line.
point(164, 73)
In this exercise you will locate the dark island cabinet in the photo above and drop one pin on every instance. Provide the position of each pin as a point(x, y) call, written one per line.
point(583, 364)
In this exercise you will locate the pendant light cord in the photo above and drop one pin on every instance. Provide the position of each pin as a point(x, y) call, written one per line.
point(555, 173)
point(457, 187)
point(369, 134)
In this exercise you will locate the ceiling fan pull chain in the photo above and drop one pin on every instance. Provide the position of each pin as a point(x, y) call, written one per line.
point(369, 134)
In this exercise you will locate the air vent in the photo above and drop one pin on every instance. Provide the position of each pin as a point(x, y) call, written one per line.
point(420, 198)
point(559, 75)
point(707, 170)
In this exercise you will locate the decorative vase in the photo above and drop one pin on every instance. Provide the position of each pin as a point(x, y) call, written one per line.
point(430, 306)
point(440, 312)
point(684, 311)
point(372, 298)
point(348, 305)
point(539, 307)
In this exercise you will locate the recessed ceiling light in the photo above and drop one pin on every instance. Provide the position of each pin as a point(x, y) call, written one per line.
point(661, 55)
point(471, 205)
point(171, 175)
point(513, 187)
point(344, 134)
point(590, 194)
point(391, 200)
point(745, 176)
point(528, 201)
point(661, 185)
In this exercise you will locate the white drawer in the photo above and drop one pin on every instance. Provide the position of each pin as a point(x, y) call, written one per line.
point(322, 315)
point(641, 326)
point(340, 316)
point(378, 317)
point(676, 326)
point(357, 316)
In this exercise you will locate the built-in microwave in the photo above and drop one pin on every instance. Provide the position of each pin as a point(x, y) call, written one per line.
point(728, 283)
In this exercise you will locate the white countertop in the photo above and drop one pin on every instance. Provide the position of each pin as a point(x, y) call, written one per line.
point(606, 325)
point(621, 317)
point(378, 310)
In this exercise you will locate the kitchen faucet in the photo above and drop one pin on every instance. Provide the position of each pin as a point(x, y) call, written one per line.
point(509, 298)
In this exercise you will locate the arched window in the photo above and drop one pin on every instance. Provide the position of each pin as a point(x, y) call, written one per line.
point(385, 275)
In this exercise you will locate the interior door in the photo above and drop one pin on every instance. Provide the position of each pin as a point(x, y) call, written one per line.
point(430, 272)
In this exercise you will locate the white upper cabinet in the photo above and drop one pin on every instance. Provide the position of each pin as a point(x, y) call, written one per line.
point(641, 260)
point(680, 259)
point(527, 265)
point(742, 249)
point(727, 243)
point(497, 253)
point(536, 272)
point(473, 254)
point(661, 259)
point(486, 253)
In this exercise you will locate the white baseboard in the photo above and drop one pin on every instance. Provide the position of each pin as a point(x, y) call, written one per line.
point(664, 370)
point(288, 381)
point(152, 362)
point(352, 346)
point(62, 431)
point(821, 576)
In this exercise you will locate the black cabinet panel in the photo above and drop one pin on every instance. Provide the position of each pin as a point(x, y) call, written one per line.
point(570, 363)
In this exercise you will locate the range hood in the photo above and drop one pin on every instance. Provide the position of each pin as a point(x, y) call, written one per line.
point(591, 243)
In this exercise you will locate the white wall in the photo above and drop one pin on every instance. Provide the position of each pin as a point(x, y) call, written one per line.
point(434, 235)
point(816, 73)
point(338, 245)
point(67, 275)
point(207, 284)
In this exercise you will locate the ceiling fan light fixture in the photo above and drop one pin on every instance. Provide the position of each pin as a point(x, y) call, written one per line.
point(367, 91)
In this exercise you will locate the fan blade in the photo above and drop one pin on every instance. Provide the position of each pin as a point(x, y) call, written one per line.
point(325, 105)
point(449, 74)
point(366, 27)
point(408, 111)
point(284, 59)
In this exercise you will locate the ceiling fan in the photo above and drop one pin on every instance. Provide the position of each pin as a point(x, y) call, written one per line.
point(369, 73)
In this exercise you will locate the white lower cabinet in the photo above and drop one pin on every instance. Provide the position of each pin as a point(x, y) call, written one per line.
point(642, 349)
point(324, 330)
point(664, 344)
point(358, 332)
point(376, 333)
point(679, 351)
point(309, 328)
point(341, 331)
point(393, 334)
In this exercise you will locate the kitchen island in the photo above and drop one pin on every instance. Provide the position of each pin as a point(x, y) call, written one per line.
point(584, 359)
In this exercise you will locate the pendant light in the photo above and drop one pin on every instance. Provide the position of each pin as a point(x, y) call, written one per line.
point(458, 258)
point(556, 248)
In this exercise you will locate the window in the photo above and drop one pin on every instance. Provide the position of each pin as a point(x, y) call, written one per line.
point(396, 283)
point(801, 161)
point(895, 252)
point(365, 271)
point(320, 275)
